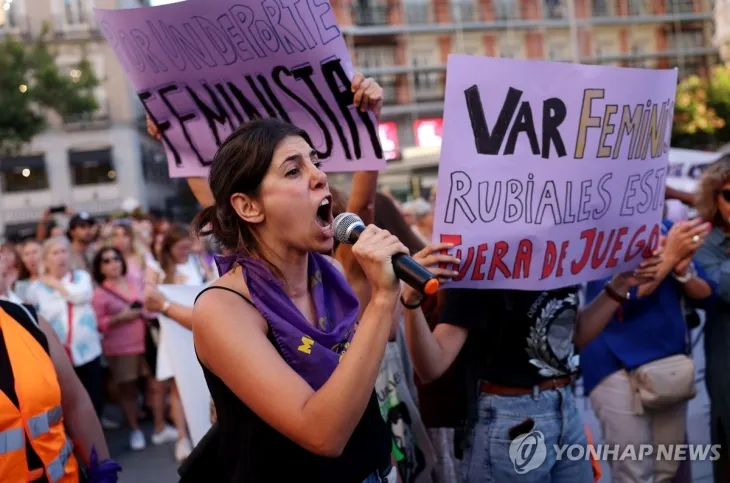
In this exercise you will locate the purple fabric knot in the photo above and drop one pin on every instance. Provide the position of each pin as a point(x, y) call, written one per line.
point(312, 348)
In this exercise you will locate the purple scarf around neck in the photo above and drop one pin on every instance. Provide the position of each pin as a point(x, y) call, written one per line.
point(312, 351)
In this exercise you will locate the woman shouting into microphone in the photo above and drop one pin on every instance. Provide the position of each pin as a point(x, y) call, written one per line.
point(291, 378)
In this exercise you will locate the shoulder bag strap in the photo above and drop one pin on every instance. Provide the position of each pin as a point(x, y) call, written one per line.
point(115, 294)
point(69, 333)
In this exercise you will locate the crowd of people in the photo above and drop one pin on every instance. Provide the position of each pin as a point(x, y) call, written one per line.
point(94, 284)
point(316, 356)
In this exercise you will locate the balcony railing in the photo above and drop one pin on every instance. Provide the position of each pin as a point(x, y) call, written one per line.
point(365, 15)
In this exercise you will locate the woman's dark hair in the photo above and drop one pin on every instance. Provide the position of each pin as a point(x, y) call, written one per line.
point(239, 166)
point(98, 276)
point(388, 217)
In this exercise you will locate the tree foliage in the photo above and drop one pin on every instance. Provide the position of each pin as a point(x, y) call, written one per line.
point(702, 110)
point(32, 85)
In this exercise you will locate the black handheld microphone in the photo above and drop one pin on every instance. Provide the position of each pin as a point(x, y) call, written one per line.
point(347, 228)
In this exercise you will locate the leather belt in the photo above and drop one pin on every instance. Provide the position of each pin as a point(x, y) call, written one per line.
point(557, 383)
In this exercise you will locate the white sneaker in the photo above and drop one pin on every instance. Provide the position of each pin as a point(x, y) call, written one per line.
point(137, 441)
point(167, 435)
point(183, 448)
point(109, 424)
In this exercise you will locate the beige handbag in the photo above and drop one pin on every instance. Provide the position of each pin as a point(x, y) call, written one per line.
point(664, 382)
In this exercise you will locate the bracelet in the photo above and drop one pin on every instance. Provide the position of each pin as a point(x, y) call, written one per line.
point(412, 306)
point(165, 307)
point(614, 295)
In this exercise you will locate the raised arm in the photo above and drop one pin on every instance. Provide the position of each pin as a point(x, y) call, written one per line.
point(236, 349)
point(593, 318)
point(368, 95)
point(432, 352)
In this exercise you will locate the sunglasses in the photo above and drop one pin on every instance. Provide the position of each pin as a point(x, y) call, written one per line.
point(106, 261)
point(726, 195)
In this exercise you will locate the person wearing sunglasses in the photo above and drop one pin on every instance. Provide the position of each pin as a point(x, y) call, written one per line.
point(117, 303)
point(713, 204)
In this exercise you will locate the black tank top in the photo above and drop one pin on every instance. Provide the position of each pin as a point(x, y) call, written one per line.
point(249, 450)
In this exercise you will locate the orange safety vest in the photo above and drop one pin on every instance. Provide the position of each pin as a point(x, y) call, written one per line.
point(40, 417)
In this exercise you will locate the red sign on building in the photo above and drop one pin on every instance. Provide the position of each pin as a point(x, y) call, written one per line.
point(428, 132)
point(388, 134)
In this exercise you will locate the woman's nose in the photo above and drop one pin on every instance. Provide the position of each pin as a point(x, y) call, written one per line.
point(319, 179)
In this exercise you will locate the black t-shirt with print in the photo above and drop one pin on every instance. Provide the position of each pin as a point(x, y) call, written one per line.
point(522, 338)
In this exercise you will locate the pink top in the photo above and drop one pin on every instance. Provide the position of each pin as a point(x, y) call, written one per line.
point(122, 339)
point(135, 269)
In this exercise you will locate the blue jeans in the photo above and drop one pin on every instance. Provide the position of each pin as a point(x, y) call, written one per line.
point(487, 458)
point(383, 476)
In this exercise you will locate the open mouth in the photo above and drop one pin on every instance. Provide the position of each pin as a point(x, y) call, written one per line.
point(324, 212)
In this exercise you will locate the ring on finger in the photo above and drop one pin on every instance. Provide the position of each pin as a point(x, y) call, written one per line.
point(696, 239)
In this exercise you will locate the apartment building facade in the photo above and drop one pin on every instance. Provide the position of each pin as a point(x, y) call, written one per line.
point(89, 164)
point(404, 45)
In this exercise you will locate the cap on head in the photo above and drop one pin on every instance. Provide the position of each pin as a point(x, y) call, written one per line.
point(80, 219)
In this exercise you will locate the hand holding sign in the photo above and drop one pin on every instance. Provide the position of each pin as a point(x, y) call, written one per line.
point(551, 174)
point(203, 67)
point(645, 273)
point(434, 258)
point(368, 94)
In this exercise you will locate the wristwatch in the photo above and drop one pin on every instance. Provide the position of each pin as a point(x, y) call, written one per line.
point(165, 307)
point(689, 275)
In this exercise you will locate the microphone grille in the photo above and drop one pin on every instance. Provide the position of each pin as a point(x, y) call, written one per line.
point(342, 225)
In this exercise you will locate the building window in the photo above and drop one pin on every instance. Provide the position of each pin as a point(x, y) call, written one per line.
point(154, 165)
point(508, 50)
point(462, 11)
point(600, 8)
point(366, 13)
point(505, 10)
point(554, 9)
point(426, 83)
point(75, 12)
point(636, 7)
point(603, 50)
point(556, 51)
point(23, 173)
point(417, 11)
point(680, 6)
point(92, 166)
point(686, 40)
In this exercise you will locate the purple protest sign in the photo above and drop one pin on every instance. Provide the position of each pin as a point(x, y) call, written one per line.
point(203, 67)
point(551, 174)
